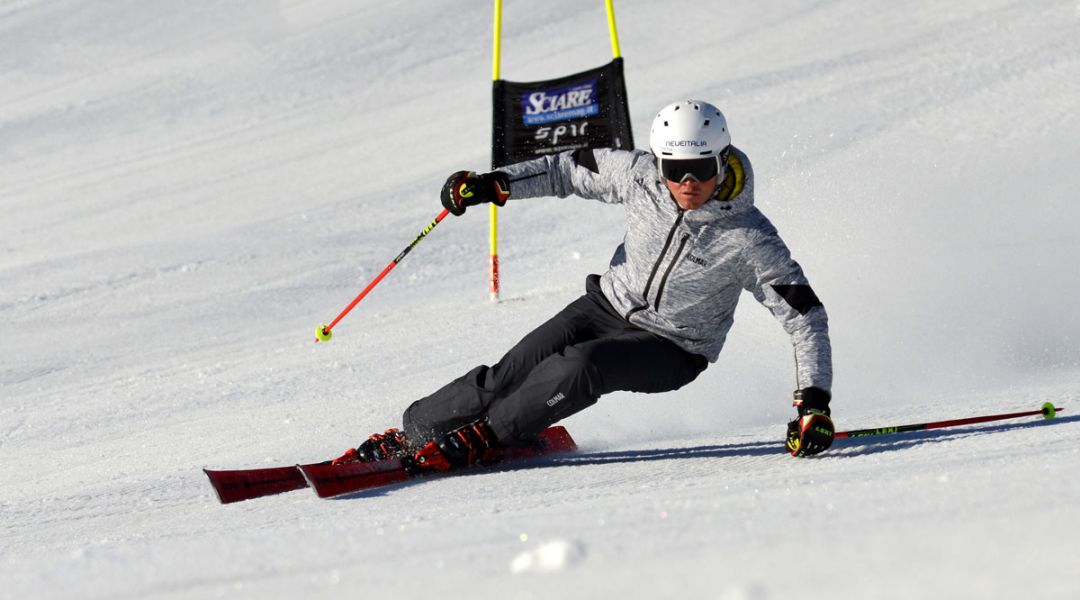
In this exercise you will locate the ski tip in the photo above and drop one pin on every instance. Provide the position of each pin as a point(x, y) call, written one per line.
point(312, 477)
point(329, 481)
point(307, 477)
point(214, 484)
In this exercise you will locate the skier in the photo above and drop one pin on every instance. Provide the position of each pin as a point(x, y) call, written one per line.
point(658, 316)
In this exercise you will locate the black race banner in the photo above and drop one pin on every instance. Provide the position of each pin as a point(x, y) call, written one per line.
point(585, 110)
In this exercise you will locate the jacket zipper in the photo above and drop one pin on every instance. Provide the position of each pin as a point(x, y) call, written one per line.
point(671, 265)
point(656, 267)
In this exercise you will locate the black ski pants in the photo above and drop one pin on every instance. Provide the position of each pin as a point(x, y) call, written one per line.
point(558, 369)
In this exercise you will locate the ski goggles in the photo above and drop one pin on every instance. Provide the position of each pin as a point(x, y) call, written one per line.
point(696, 169)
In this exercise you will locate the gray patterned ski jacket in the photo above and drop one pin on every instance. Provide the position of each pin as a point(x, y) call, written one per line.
point(680, 273)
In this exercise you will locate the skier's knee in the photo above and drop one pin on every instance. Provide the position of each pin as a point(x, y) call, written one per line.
point(579, 362)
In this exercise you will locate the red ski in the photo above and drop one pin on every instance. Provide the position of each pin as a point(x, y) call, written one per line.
point(329, 480)
point(246, 484)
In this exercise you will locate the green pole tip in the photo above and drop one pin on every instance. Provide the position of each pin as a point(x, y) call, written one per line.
point(1048, 410)
point(322, 334)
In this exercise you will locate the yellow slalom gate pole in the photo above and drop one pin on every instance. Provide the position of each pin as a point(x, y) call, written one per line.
point(611, 28)
point(496, 48)
point(493, 265)
point(497, 41)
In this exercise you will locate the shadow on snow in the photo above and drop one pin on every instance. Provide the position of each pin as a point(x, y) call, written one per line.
point(841, 449)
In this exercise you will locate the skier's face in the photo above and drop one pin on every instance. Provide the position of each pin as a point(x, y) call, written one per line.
point(690, 194)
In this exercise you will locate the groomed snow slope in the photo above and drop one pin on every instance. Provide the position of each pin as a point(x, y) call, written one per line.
point(189, 189)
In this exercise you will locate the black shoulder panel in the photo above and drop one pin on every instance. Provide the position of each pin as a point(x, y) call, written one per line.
point(801, 297)
point(587, 159)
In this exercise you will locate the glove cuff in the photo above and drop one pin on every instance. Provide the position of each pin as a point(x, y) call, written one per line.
point(812, 399)
point(500, 187)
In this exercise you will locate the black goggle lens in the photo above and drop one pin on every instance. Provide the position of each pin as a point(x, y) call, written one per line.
point(698, 169)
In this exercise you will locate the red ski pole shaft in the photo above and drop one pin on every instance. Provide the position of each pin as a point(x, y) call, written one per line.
point(1048, 411)
point(325, 330)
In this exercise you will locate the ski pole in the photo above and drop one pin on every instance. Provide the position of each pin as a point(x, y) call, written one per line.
point(1048, 411)
point(323, 333)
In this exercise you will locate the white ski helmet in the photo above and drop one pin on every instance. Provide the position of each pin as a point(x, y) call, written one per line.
point(688, 130)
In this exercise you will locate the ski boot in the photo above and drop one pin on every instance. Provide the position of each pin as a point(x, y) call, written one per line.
point(379, 446)
point(467, 445)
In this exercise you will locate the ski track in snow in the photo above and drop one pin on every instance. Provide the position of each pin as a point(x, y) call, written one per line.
point(189, 191)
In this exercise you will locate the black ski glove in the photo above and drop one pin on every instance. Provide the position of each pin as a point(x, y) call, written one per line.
point(812, 431)
point(466, 188)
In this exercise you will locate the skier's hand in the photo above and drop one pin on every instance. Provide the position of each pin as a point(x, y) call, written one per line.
point(810, 434)
point(812, 431)
point(466, 188)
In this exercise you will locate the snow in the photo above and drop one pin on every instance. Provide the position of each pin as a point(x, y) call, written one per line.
point(188, 190)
